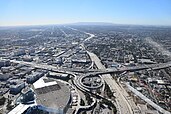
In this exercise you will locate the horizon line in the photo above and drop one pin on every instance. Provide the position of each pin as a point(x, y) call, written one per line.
point(83, 23)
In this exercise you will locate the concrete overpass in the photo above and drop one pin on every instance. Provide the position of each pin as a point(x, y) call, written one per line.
point(95, 71)
point(124, 105)
point(132, 69)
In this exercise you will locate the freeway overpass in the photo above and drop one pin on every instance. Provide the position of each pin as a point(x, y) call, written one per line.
point(132, 69)
point(124, 105)
point(95, 71)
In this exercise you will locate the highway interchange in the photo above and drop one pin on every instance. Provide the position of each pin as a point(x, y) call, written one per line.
point(124, 105)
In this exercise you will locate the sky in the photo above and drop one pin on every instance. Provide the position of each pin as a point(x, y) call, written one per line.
point(42, 12)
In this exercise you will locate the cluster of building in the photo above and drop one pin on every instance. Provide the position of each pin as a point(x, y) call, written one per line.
point(122, 48)
point(20, 84)
point(28, 89)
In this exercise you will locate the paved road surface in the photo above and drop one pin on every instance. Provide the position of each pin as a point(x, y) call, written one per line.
point(157, 107)
point(125, 106)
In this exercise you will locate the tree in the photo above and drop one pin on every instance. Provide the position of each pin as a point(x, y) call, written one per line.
point(82, 103)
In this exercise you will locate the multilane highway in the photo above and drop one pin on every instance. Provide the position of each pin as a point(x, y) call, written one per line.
point(125, 106)
point(122, 103)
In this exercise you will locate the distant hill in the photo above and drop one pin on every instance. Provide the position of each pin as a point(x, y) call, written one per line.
point(91, 23)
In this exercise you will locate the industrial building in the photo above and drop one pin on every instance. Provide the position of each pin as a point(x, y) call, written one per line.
point(15, 89)
point(52, 95)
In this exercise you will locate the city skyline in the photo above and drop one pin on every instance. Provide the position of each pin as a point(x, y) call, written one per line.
point(30, 12)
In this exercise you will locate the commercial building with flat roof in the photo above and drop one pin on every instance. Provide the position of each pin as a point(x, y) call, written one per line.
point(52, 95)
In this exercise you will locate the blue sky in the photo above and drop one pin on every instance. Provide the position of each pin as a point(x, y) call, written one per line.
point(36, 12)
